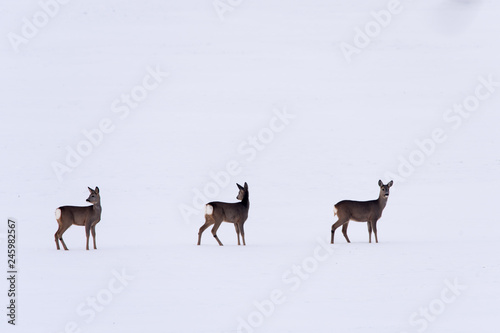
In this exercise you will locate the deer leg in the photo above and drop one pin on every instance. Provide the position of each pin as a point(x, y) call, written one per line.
point(58, 236)
point(336, 225)
point(344, 231)
point(374, 226)
point(63, 244)
point(369, 224)
point(93, 236)
point(214, 232)
point(87, 233)
point(208, 223)
point(242, 231)
point(237, 232)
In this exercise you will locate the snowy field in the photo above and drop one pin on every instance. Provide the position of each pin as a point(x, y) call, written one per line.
point(166, 105)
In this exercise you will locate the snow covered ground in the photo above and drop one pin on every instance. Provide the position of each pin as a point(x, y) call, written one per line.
point(165, 105)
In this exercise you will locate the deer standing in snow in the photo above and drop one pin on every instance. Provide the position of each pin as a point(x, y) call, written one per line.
point(236, 213)
point(361, 211)
point(87, 216)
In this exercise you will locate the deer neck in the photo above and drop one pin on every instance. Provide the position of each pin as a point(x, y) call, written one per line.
point(245, 201)
point(97, 208)
point(382, 201)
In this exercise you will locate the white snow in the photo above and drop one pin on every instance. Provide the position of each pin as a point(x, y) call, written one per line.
point(166, 105)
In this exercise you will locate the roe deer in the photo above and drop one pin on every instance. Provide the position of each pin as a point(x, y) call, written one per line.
point(218, 212)
point(361, 211)
point(88, 216)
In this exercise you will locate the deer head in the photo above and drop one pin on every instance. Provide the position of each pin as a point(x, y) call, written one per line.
point(94, 196)
point(242, 192)
point(384, 189)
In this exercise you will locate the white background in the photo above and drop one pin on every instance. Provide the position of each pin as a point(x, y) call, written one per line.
point(229, 73)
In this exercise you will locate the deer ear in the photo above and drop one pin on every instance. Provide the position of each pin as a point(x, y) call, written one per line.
point(380, 183)
point(90, 190)
point(246, 186)
point(97, 190)
point(390, 183)
point(239, 186)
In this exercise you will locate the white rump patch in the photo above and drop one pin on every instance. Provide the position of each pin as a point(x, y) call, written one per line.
point(58, 214)
point(209, 210)
point(334, 210)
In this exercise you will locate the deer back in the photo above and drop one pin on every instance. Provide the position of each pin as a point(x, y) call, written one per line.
point(79, 215)
point(360, 211)
point(230, 212)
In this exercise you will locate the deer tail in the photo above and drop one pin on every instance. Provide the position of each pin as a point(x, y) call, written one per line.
point(209, 209)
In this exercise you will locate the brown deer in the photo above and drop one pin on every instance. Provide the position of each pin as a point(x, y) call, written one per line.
point(236, 213)
point(361, 211)
point(88, 216)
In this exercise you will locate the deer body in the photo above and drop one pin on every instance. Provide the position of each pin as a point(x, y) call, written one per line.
point(87, 216)
point(237, 213)
point(361, 211)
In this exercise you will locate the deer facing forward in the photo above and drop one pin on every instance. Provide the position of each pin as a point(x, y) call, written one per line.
point(236, 213)
point(361, 211)
point(87, 216)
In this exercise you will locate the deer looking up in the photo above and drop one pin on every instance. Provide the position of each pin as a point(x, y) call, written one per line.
point(236, 213)
point(361, 211)
point(87, 216)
